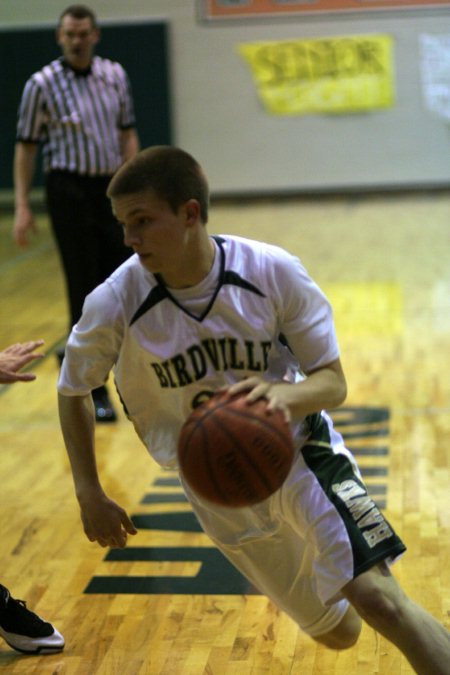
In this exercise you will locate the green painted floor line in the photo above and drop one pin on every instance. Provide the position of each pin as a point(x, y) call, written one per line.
point(27, 255)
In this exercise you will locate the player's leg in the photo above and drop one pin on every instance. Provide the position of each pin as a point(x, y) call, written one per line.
point(379, 600)
point(266, 550)
point(345, 634)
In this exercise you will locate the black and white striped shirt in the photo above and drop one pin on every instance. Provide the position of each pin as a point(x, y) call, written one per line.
point(77, 117)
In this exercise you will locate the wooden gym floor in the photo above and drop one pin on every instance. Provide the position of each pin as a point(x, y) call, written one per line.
point(170, 606)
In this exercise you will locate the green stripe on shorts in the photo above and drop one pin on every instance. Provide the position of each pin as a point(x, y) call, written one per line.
point(372, 537)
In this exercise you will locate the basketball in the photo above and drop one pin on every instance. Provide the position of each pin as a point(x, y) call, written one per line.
point(234, 453)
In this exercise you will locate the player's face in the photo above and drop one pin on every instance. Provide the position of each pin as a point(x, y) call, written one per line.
point(162, 239)
point(77, 39)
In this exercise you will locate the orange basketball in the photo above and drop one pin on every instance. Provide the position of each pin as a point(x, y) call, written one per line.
point(234, 453)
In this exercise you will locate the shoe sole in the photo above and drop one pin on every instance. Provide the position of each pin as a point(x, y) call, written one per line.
point(39, 650)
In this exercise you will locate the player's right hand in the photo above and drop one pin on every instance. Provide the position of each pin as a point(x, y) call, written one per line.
point(106, 522)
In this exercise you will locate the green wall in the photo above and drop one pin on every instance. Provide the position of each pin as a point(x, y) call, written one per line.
point(141, 48)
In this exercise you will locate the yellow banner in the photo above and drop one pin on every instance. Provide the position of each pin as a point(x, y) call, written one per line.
point(329, 75)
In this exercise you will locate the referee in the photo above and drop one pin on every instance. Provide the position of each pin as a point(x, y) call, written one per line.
point(80, 108)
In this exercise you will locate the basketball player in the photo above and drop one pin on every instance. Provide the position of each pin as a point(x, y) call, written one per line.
point(190, 313)
point(22, 629)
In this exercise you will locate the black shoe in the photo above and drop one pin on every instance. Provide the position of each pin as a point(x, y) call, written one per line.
point(24, 630)
point(104, 411)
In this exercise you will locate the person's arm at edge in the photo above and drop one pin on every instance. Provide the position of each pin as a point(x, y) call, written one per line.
point(15, 357)
point(24, 169)
point(104, 521)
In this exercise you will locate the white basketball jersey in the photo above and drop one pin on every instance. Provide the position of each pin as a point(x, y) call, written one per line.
point(257, 313)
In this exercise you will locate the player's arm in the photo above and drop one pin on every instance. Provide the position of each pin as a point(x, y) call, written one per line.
point(104, 521)
point(323, 389)
point(24, 168)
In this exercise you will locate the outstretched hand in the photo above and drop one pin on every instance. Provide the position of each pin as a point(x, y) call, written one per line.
point(15, 357)
point(106, 522)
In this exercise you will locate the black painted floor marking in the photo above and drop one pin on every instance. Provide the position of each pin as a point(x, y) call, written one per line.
point(170, 522)
point(216, 577)
point(164, 498)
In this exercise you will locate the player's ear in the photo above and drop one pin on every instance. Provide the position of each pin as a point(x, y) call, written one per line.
point(192, 208)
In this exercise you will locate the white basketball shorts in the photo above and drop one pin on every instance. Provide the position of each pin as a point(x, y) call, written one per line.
point(303, 544)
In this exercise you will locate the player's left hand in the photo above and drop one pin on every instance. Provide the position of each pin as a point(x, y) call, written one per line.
point(258, 388)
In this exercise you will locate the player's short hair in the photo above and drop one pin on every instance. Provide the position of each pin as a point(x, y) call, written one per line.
point(79, 12)
point(173, 175)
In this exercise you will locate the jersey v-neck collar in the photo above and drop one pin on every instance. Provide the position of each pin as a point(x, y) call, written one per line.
point(210, 285)
point(220, 277)
point(161, 292)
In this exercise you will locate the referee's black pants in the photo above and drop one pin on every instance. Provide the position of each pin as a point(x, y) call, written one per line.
point(89, 238)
